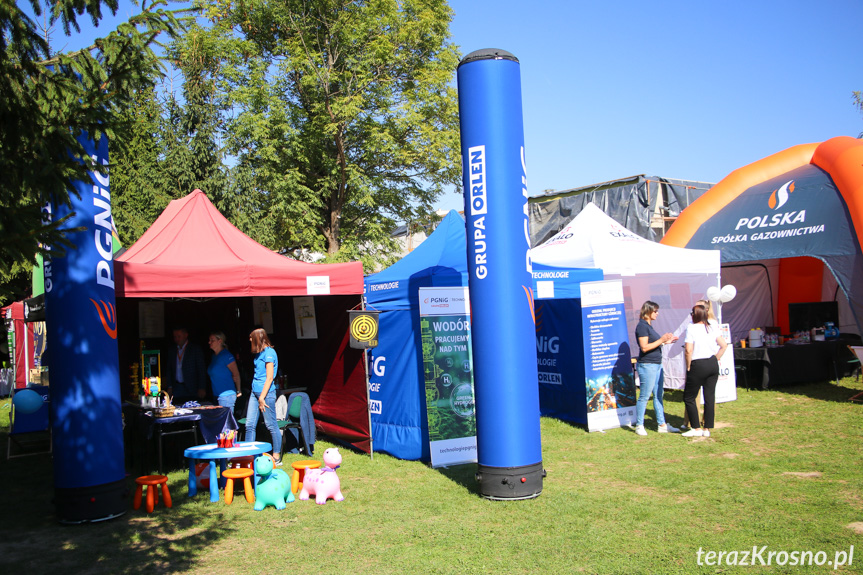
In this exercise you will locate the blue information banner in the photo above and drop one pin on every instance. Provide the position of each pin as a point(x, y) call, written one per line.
point(608, 359)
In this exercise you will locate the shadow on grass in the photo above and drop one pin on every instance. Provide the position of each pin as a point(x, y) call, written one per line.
point(33, 541)
point(464, 475)
point(824, 391)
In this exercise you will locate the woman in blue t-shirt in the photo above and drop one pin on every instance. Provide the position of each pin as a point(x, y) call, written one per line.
point(263, 398)
point(649, 368)
point(223, 372)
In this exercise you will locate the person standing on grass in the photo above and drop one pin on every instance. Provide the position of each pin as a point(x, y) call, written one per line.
point(223, 372)
point(704, 347)
point(649, 368)
point(263, 398)
point(711, 319)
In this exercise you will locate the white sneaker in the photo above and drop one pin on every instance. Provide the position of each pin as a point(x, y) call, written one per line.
point(696, 432)
point(706, 433)
point(668, 428)
point(639, 430)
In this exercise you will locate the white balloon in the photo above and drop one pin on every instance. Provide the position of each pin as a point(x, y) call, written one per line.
point(728, 293)
point(713, 293)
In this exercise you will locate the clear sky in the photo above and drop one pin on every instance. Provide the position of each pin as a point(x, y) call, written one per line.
point(678, 89)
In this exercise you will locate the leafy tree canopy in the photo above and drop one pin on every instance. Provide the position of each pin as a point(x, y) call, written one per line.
point(47, 100)
point(345, 115)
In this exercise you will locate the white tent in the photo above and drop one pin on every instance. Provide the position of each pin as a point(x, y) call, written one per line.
point(672, 277)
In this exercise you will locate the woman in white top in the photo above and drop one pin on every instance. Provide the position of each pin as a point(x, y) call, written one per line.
point(711, 319)
point(704, 347)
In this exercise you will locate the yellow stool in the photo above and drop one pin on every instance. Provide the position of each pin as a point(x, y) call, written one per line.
point(152, 482)
point(243, 473)
point(300, 472)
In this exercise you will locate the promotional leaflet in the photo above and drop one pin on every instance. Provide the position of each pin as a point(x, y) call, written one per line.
point(448, 371)
point(608, 359)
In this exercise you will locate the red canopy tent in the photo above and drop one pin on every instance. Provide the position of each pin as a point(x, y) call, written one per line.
point(193, 252)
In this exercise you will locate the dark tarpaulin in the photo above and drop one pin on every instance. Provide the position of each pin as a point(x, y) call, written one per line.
point(630, 201)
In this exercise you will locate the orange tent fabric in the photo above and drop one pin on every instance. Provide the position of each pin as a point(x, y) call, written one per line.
point(823, 187)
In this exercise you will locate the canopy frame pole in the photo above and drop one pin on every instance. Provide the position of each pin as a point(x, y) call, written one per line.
point(368, 397)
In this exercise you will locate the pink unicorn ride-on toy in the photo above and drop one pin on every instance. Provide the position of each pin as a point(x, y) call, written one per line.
point(324, 483)
point(274, 486)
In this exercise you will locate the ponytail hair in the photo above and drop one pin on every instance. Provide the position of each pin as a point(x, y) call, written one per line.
point(700, 315)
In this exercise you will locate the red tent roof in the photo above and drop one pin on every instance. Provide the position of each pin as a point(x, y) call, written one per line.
point(191, 250)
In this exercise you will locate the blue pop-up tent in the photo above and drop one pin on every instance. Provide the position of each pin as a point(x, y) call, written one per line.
point(396, 382)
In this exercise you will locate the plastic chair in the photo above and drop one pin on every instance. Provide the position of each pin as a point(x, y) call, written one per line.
point(291, 420)
point(28, 429)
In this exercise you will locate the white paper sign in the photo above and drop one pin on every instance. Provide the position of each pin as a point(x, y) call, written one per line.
point(318, 285)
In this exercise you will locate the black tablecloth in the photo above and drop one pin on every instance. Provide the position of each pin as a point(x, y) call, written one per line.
point(792, 364)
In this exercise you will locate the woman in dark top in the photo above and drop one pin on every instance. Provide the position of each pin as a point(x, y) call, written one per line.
point(650, 368)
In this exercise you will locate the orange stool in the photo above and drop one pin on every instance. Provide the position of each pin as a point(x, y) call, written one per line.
point(300, 472)
point(244, 461)
point(152, 482)
point(243, 473)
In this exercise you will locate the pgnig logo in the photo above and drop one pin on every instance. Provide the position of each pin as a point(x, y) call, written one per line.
point(108, 317)
point(779, 197)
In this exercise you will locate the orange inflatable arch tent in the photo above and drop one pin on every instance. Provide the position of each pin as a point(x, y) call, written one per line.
point(802, 206)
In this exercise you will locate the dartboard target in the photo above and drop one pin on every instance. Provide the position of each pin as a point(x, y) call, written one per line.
point(364, 328)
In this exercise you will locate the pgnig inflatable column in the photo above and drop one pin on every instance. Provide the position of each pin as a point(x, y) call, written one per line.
point(81, 323)
point(509, 450)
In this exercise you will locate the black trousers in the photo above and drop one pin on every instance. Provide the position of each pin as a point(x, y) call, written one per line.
point(703, 373)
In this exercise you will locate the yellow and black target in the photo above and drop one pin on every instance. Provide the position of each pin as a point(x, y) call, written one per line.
point(364, 329)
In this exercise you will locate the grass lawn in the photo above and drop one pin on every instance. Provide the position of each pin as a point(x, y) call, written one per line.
point(784, 469)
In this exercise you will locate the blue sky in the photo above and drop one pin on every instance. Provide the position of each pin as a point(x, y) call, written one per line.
point(689, 90)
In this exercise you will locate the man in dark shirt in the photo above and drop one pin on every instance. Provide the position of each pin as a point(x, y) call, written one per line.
point(187, 371)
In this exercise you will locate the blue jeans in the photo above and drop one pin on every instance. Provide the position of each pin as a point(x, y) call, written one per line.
point(269, 419)
point(651, 378)
point(228, 401)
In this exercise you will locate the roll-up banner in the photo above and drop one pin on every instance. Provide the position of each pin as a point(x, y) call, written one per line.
point(726, 385)
point(448, 374)
point(608, 358)
point(89, 473)
point(509, 449)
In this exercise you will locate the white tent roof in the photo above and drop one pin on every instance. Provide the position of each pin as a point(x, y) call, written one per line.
point(594, 240)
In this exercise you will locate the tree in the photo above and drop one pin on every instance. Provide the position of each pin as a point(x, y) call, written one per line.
point(346, 117)
point(858, 102)
point(138, 185)
point(48, 100)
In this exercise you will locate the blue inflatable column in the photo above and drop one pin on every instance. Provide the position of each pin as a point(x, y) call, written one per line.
point(81, 322)
point(509, 449)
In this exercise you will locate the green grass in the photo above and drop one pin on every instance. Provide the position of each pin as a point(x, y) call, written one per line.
point(784, 469)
